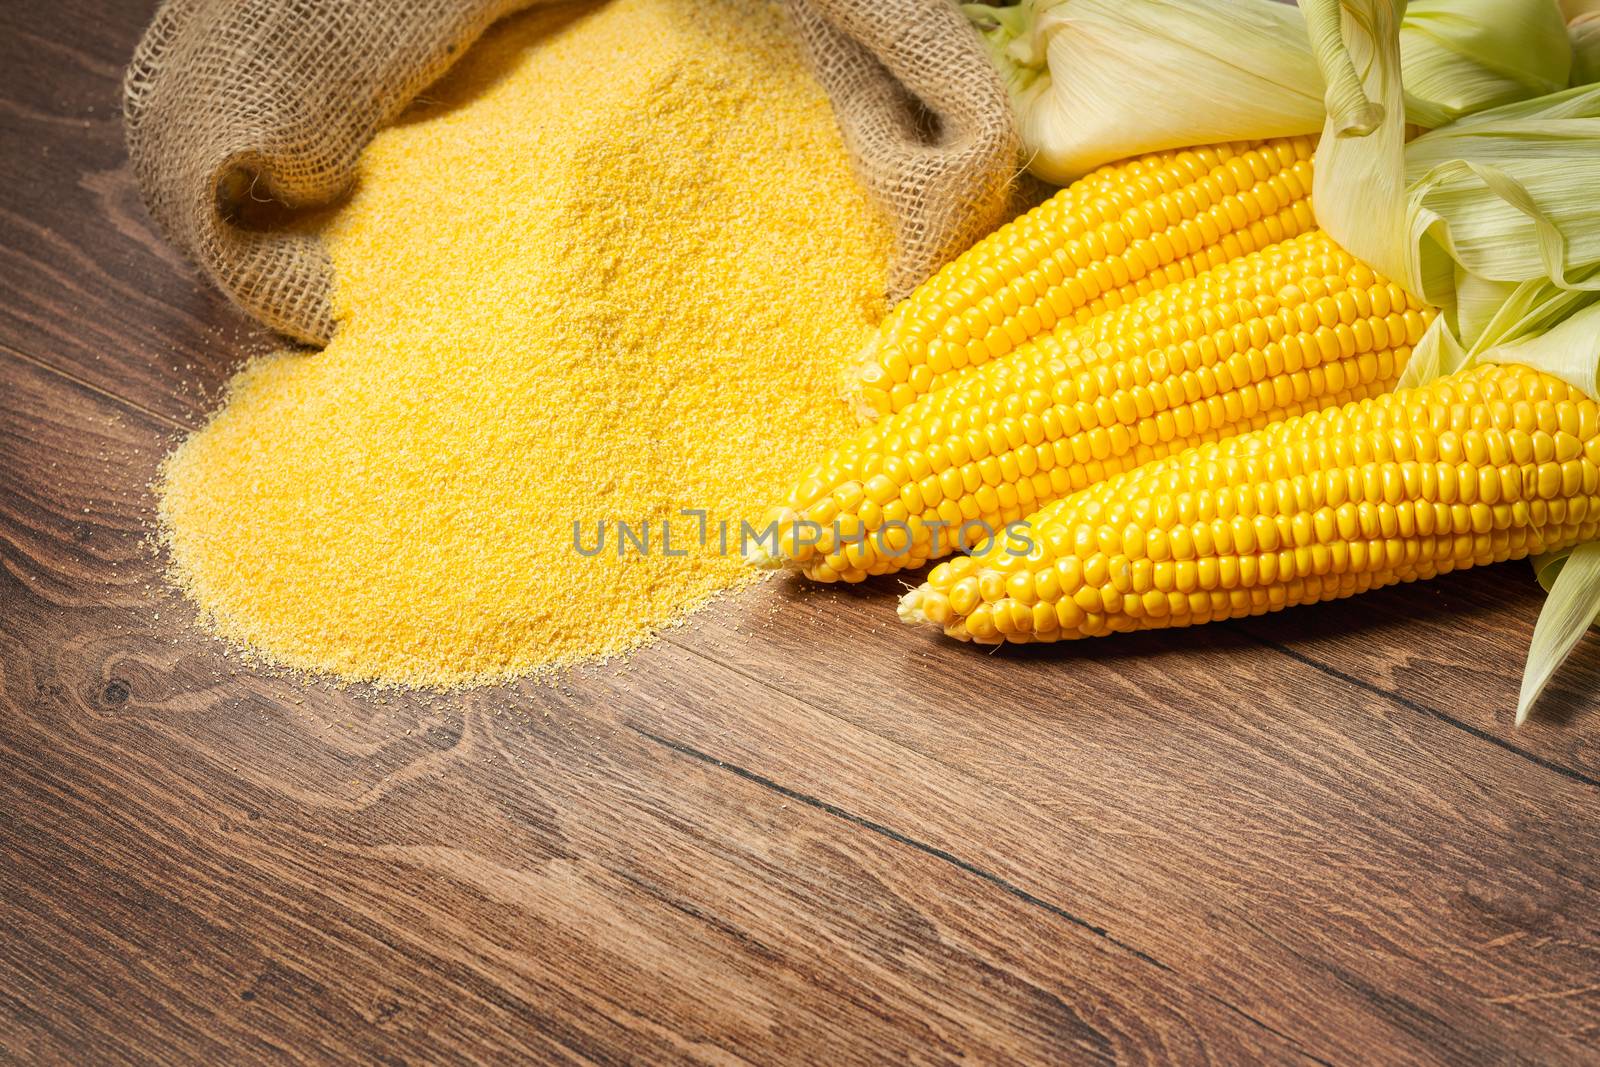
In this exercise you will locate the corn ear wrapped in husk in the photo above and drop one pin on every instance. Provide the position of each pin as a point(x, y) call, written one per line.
point(1093, 81)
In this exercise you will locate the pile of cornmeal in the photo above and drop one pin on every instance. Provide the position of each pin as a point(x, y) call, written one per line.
point(607, 271)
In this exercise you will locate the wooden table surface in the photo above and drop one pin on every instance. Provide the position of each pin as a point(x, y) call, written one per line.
point(789, 831)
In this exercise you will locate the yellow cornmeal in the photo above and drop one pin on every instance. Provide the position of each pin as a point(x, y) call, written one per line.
point(609, 270)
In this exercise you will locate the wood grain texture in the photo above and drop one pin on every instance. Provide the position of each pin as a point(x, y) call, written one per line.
point(790, 831)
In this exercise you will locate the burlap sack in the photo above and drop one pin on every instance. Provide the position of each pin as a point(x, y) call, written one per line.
point(925, 116)
point(236, 110)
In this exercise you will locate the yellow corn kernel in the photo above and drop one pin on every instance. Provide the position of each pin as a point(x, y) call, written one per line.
point(1323, 506)
point(1177, 367)
point(1124, 230)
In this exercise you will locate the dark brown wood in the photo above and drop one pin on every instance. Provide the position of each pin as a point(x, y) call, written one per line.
point(791, 830)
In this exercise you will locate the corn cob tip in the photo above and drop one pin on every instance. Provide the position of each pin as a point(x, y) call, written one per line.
point(927, 606)
point(1492, 463)
point(854, 381)
point(759, 553)
point(910, 607)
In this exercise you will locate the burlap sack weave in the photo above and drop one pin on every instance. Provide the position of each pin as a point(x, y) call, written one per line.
point(926, 118)
point(230, 104)
point(234, 100)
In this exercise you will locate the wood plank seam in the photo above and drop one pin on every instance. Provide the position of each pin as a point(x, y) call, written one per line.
point(1292, 1042)
point(694, 649)
point(1319, 666)
point(1009, 888)
point(1420, 709)
point(118, 400)
point(1403, 1013)
point(966, 866)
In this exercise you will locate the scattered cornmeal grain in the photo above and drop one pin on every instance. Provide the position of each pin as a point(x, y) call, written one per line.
point(610, 270)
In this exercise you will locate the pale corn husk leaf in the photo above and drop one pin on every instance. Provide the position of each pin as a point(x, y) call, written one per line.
point(1098, 80)
point(1092, 81)
point(1509, 325)
point(1461, 56)
point(1463, 215)
point(1494, 313)
point(1505, 196)
point(1571, 608)
point(1479, 302)
point(1501, 228)
point(1359, 175)
point(1547, 567)
point(1438, 353)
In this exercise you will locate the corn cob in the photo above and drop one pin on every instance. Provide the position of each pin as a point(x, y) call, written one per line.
point(1489, 464)
point(1292, 328)
point(1122, 231)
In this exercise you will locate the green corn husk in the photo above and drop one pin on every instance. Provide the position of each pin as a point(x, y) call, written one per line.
point(1458, 58)
point(1494, 219)
point(1584, 33)
point(1092, 81)
point(1144, 75)
point(1569, 611)
point(1508, 195)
